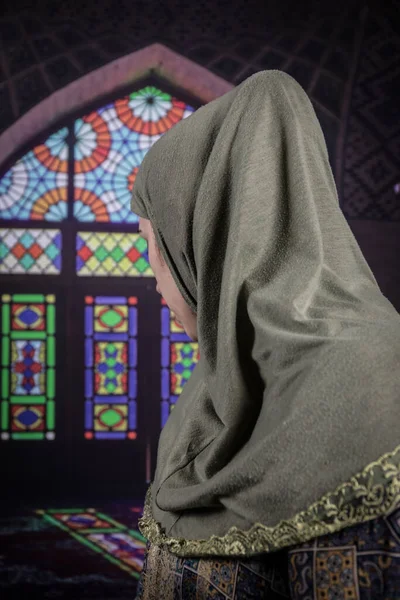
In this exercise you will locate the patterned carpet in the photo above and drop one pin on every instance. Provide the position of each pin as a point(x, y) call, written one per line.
point(71, 554)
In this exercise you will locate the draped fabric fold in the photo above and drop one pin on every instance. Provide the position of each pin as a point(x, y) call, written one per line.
point(297, 391)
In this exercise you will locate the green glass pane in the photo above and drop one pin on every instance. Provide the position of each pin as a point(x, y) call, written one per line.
point(50, 415)
point(141, 245)
point(51, 312)
point(52, 251)
point(28, 335)
point(51, 351)
point(111, 318)
point(28, 298)
point(31, 435)
point(117, 254)
point(4, 250)
point(4, 416)
point(141, 264)
point(50, 383)
point(27, 261)
point(5, 351)
point(6, 319)
point(28, 399)
point(101, 253)
point(110, 417)
point(151, 90)
point(4, 383)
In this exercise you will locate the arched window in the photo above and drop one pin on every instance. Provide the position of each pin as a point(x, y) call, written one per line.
point(89, 356)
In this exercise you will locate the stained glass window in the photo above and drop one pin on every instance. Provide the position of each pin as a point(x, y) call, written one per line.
point(82, 173)
point(179, 356)
point(28, 367)
point(30, 251)
point(116, 254)
point(110, 367)
point(110, 146)
point(36, 185)
point(122, 546)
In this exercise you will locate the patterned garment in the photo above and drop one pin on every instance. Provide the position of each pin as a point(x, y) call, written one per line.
point(357, 563)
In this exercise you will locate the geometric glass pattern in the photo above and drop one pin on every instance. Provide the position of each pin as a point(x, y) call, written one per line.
point(30, 251)
point(179, 356)
point(28, 367)
point(100, 254)
point(110, 144)
point(36, 185)
point(117, 543)
point(110, 367)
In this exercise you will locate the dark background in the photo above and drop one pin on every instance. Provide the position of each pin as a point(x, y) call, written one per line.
point(345, 54)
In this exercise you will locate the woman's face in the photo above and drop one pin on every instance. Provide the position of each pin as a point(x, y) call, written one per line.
point(166, 285)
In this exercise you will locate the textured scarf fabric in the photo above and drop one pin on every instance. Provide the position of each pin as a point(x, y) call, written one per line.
point(289, 426)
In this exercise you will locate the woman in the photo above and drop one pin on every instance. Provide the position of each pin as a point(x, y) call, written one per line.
point(278, 472)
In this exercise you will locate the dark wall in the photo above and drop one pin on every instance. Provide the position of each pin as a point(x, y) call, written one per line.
point(345, 55)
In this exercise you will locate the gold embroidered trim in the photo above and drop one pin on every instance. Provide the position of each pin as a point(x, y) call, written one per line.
point(373, 492)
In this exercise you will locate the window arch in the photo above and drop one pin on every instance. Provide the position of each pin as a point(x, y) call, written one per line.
point(78, 308)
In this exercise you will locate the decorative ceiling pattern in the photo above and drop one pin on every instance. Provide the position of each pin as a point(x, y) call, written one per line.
point(371, 161)
point(342, 59)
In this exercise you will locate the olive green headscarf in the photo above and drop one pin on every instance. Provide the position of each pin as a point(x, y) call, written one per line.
point(289, 426)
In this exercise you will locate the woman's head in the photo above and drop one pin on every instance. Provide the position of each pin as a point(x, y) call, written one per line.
point(225, 196)
point(166, 285)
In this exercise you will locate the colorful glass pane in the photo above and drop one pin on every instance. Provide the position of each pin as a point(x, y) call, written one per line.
point(110, 145)
point(100, 254)
point(36, 185)
point(111, 319)
point(110, 359)
point(179, 356)
point(110, 367)
point(122, 546)
point(184, 357)
point(30, 251)
point(28, 367)
point(28, 315)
